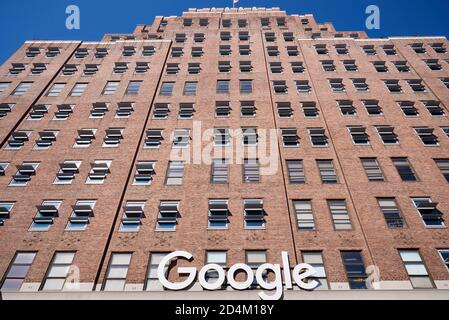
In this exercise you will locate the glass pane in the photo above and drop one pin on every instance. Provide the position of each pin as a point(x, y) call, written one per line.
point(18, 271)
point(24, 258)
point(410, 256)
point(123, 259)
point(416, 269)
point(216, 257)
point(421, 282)
point(64, 257)
point(12, 284)
point(312, 257)
point(58, 271)
point(118, 272)
point(114, 285)
point(54, 284)
point(256, 257)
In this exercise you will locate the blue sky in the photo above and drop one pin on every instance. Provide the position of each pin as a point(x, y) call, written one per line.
point(22, 20)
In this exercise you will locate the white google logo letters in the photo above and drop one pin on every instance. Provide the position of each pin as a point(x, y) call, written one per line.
point(300, 274)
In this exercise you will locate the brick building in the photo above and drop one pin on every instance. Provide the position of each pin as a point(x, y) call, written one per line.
point(91, 189)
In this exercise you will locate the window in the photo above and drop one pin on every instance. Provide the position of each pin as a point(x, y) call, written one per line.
point(32, 52)
point(21, 89)
point(98, 172)
point(265, 22)
point(132, 216)
point(225, 36)
point(113, 137)
point(133, 87)
point(115, 279)
point(372, 107)
point(175, 173)
point(226, 23)
point(98, 110)
point(5, 211)
point(167, 88)
point(101, 53)
point(197, 52)
point(416, 269)
point(303, 87)
point(295, 170)
point(280, 22)
point(318, 137)
point(194, 68)
point(177, 52)
point(355, 269)
point(408, 108)
point(153, 283)
point(172, 68)
point(247, 109)
point(221, 137)
point(433, 64)
point(154, 138)
point(244, 36)
point(251, 171)
point(273, 51)
point(346, 107)
point(225, 50)
point(427, 137)
point(46, 139)
point(219, 171)
point(82, 211)
point(4, 86)
point(124, 109)
point(52, 52)
point(446, 131)
point(244, 50)
point(288, 36)
point(204, 22)
point(389, 49)
point(68, 170)
point(321, 49)
point(128, 51)
point(254, 214)
point(144, 173)
point(340, 215)
point(64, 111)
point(141, 68)
point(372, 169)
point(270, 36)
point(416, 85)
point(245, 66)
point(434, 108)
point(223, 86)
point(341, 48)
point(360, 85)
point(55, 90)
point(393, 86)
point(380, 66)
point(198, 37)
point(161, 110)
point(328, 65)
point(369, 50)
point(280, 86)
point(431, 216)
point(249, 136)
point(110, 88)
point(444, 254)
point(284, 109)
point(17, 140)
point(168, 216)
point(290, 137)
point(222, 109)
point(58, 271)
point(246, 86)
point(438, 47)
point(69, 69)
point(391, 212)
point(81, 53)
point(219, 258)
point(337, 85)
point(190, 88)
point(418, 47)
point(443, 165)
point(315, 259)
point(404, 169)
point(387, 135)
point(292, 51)
point(304, 214)
point(148, 51)
point(359, 135)
point(3, 167)
point(186, 110)
point(254, 259)
point(276, 67)
point(78, 89)
point(350, 65)
point(17, 68)
point(310, 110)
point(17, 271)
point(181, 138)
point(224, 66)
point(90, 70)
point(218, 217)
point(401, 66)
point(327, 171)
point(444, 80)
point(187, 22)
point(85, 137)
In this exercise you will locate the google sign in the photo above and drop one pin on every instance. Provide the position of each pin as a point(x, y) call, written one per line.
point(300, 275)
